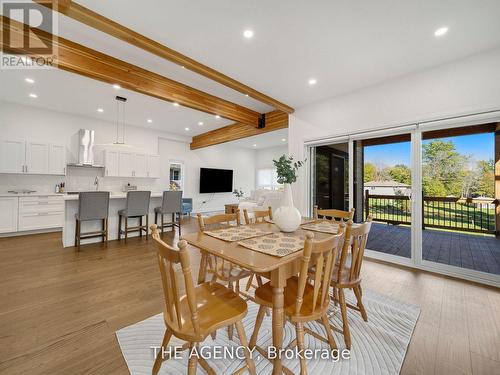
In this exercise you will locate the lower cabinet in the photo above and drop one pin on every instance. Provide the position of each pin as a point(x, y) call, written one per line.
point(8, 214)
point(41, 212)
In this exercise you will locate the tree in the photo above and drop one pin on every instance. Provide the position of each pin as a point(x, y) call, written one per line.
point(400, 173)
point(370, 172)
point(486, 183)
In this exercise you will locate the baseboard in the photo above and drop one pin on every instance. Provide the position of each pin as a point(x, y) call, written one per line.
point(27, 232)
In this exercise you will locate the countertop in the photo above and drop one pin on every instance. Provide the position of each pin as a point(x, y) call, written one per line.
point(37, 194)
point(73, 197)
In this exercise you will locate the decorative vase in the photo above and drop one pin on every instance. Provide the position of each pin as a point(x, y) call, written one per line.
point(287, 217)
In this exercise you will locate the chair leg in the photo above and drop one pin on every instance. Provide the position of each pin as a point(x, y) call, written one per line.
point(329, 334)
point(173, 222)
point(76, 233)
point(345, 322)
point(299, 328)
point(106, 230)
point(119, 227)
point(244, 343)
point(203, 268)
point(180, 220)
point(156, 218)
point(147, 226)
point(162, 222)
point(230, 328)
point(126, 228)
point(193, 360)
point(362, 310)
point(103, 229)
point(140, 226)
point(249, 283)
point(159, 359)
point(258, 323)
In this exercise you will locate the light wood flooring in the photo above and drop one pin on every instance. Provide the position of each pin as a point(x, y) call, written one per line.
point(59, 309)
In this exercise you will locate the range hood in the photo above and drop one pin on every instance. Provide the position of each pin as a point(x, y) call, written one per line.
point(85, 150)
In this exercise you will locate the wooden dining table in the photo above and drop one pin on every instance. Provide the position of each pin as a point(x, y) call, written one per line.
point(277, 269)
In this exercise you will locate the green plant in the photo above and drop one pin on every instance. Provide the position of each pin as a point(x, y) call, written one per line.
point(287, 169)
point(239, 193)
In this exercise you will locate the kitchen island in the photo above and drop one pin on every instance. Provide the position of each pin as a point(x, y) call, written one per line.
point(116, 203)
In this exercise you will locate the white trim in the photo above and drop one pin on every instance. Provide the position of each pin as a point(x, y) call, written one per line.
point(383, 133)
point(350, 151)
point(460, 121)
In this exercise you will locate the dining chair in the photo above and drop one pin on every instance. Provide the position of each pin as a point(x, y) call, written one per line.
point(347, 276)
point(335, 215)
point(306, 297)
point(221, 269)
point(258, 216)
point(193, 314)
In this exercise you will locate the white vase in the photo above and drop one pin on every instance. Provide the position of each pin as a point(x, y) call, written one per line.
point(287, 217)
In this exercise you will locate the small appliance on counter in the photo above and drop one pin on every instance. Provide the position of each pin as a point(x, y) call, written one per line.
point(129, 187)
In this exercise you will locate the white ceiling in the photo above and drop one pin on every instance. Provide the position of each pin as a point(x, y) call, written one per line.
point(345, 45)
point(266, 140)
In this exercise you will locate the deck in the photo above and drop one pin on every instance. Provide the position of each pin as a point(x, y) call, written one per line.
point(477, 252)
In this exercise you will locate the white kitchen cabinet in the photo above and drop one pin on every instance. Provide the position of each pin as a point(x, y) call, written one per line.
point(37, 157)
point(111, 161)
point(8, 214)
point(40, 212)
point(12, 155)
point(126, 163)
point(140, 165)
point(154, 166)
point(57, 159)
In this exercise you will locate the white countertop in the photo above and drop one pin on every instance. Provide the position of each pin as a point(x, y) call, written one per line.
point(37, 194)
point(113, 195)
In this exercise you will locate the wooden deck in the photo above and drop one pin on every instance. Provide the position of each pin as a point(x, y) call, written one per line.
point(477, 252)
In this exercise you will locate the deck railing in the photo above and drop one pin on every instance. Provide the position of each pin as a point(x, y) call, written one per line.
point(463, 214)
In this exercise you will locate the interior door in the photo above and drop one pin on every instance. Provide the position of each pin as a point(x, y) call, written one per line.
point(12, 156)
point(337, 189)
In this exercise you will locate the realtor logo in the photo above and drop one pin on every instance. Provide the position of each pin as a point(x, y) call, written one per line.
point(28, 31)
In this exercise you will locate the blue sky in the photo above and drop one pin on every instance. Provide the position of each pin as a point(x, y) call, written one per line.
point(479, 146)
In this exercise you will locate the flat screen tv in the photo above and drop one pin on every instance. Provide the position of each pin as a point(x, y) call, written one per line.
point(216, 180)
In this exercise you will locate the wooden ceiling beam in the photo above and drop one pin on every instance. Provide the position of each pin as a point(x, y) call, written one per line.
point(275, 120)
point(101, 23)
point(84, 61)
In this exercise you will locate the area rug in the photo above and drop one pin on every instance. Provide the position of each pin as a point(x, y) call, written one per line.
point(378, 346)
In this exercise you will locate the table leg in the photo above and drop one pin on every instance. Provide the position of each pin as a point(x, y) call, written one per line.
point(278, 321)
point(202, 273)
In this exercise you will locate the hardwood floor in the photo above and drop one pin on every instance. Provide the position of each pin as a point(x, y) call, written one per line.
point(59, 309)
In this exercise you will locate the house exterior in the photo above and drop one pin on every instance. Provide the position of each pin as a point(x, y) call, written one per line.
point(387, 188)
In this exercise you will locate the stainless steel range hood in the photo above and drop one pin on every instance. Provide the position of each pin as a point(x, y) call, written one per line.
point(85, 150)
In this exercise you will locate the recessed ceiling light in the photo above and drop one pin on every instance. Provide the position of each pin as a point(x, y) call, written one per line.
point(441, 31)
point(149, 120)
point(246, 95)
point(34, 96)
point(254, 145)
point(248, 34)
point(217, 117)
point(117, 87)
point(183, 67)
point(312, 81)
point(200, 123)
point(283, 139)
point(186, 129)
point(29, 80)
point(175, 104)
point(100, 110)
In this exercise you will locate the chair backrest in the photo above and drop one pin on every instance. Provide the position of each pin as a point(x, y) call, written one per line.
point(93, 205)
point(354, 244)
point(259, 216)
point(321, 257)
point(218, 221)
point(138, 203)
point(172, 201)
point(336, 215)
point(168, 259)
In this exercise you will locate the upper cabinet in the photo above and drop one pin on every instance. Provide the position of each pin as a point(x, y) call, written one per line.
point(110, 163)
point(30, 157)
point(129, 164)
point(154, 166)
point(126, 163)
point(140, 165)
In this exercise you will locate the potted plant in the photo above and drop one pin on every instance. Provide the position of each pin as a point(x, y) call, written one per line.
point(287, 217)
point(238, 193)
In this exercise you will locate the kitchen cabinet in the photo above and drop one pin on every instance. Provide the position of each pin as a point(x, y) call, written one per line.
point(31, 157)
point(154, 166)
point(140, 165)
point(40, 212)
point(8, 214)
point(12, 155)
point(111, 163)
point(126, 163)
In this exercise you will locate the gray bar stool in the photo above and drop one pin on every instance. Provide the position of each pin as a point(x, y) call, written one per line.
point(171, 204)
point(137, 206)
point(92, 205)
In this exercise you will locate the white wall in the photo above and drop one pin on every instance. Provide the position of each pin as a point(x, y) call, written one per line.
point(466, 86)
point(264, 157)
point(225, 156)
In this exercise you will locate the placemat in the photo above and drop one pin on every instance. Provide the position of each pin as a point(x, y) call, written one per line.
point(277, 244)
point(304, 221)
point(237, 233)
point(322, 226)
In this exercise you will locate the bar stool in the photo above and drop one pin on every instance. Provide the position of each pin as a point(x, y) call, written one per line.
point(171, 204)
point(136, 207)
point(92, 205)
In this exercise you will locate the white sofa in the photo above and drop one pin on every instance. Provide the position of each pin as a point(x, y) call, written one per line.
point(260, 200)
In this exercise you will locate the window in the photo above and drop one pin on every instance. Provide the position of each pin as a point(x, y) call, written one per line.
point(176, 176)
point(267, 179)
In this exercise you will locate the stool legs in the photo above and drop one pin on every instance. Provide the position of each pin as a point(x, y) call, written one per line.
point(119, 227)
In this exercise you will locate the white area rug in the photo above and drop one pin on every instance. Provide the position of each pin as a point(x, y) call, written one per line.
point(378, 346)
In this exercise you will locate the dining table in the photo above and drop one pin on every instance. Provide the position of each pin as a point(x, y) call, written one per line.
point(276, 269)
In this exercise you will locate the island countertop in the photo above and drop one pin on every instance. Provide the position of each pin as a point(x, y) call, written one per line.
point(112, 195)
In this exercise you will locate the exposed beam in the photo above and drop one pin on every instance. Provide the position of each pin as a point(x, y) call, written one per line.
point(79, 59)
point(275, 120)
point(101, 23)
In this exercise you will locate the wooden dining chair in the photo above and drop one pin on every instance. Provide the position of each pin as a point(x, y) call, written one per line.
point(335, 215)
point(258, 216)
point(221, 269)
point(304, 300)
point(348, 276)
point(199, 311)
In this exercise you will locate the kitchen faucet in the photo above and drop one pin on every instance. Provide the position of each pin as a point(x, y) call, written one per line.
point(96, 183)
